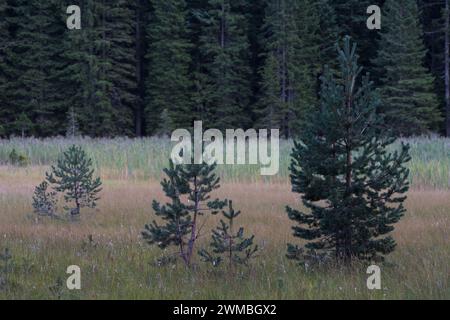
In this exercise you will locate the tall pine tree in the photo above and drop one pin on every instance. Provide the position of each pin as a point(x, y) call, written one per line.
point(121, 26)
point(329, 32)
point(168, 82)
point(224, 73)
point(33, 58)
point(100, 68)
point(351, 185)
point(351, 18)
point(4, 43)
point(409, 101)
point(292, 45)
point(436, 18)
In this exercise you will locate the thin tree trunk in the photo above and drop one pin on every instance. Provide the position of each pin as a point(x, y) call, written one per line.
point(194, 224)
point(182, 253)
point(139, 69)
point(230, 253)
point(349, 173)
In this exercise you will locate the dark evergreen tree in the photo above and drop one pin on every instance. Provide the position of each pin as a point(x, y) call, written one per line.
point(4, 43)
point(100, 68)
point(77, 74)
point(5, 269)
point(23, 124)
point(272, 107)
point(228, 244)
point(255, 17)
point(436, 20)
point(17, 158)
point(433, 19)
point(409, 101)
point(329, 32)
point(189, 188)
point(292, 44)
point(120, 32)
point(72, 130)
point(351, 18)
point(73, 175)
point(9, 110)
point(34, 61)
point(352, 186)
point(141, 12)
point(308, 56)
point(44, 200)
point(223, 78)
point(168, 82)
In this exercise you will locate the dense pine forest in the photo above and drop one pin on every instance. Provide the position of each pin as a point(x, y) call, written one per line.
point(146, 67)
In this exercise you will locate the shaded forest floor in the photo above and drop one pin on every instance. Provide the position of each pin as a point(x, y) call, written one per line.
point(117, 264)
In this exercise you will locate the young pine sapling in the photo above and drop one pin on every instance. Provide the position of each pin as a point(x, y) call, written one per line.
point(73, 175)
point(229, 245)
point(44, 201)
point(5, 268)
point(189, 188)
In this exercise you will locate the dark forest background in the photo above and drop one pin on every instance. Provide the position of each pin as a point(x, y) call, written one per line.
point(146, 67)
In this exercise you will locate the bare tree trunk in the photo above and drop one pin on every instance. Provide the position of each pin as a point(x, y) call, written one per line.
point(139, 69)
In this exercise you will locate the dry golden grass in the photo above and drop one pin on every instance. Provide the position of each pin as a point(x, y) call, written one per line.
point(422, 257)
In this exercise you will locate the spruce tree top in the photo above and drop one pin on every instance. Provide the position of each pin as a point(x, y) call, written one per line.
point(407, 87)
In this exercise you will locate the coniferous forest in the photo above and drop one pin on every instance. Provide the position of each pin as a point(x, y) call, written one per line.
point(146, 67)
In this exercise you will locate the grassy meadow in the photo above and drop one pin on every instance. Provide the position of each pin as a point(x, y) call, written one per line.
point(117, 264)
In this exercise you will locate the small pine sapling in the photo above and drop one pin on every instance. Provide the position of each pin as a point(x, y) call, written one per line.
point(189, 188)
point(73, 175)
point(226, 244)
point(5, 268)
point(57, 289)
point(17, 159)
point(44, 201)
point(13, 157)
